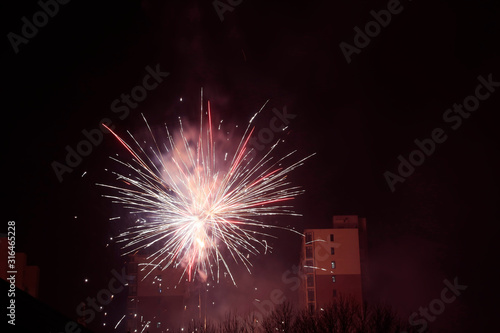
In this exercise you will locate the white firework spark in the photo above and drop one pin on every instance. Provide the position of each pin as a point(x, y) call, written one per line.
point(201, 204)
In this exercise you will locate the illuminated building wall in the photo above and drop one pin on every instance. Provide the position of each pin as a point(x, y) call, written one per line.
point(333, 262)
point(157, 300)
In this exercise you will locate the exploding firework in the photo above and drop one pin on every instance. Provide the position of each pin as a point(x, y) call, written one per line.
point(200, 203)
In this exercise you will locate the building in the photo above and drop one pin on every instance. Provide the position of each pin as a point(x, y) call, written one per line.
point(333, 262)
point(164, 300)
point(24, 308)
point(157, 298)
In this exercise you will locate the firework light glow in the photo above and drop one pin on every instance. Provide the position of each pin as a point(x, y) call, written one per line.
point(198, 201)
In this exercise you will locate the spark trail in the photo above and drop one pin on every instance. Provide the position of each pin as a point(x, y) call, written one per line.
point(200, 207)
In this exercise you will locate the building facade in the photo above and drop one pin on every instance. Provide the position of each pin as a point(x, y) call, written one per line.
point(333, 262)
point(156, 298)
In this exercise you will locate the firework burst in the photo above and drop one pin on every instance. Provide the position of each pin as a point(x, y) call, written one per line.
point(200, 204)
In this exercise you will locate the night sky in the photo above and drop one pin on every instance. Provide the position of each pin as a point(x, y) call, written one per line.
point(442, 222)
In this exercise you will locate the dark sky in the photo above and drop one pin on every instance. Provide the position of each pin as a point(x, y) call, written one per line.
point(358, 117)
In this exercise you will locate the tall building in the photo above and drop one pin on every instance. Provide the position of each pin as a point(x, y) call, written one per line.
point(333, 262)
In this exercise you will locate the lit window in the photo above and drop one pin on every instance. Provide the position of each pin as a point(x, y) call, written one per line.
point(332, 250)
point(333, 264)
point(331, 237)
point(333, 278)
